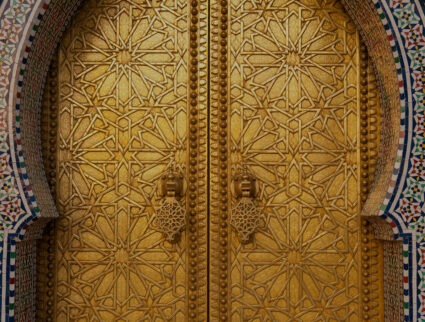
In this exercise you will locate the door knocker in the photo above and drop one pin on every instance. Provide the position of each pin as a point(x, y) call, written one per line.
point(171, 214)
point(246, 215)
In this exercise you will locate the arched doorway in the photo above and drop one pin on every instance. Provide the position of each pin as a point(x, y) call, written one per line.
point(268, 103)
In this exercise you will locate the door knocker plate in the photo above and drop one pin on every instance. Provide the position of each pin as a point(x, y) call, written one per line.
point(171, 214)
point(246, 215)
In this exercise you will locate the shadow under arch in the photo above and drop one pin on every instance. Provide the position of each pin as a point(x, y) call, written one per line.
point(46, 39)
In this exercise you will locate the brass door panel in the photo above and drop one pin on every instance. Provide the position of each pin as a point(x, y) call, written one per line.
point(252, 125)
point(123, 110)
point(294, 119)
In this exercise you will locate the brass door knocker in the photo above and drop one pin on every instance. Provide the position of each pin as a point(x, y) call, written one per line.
point(171, 214)
point(246, 215)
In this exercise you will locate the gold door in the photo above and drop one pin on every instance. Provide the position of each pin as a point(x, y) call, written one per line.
point(210, 160)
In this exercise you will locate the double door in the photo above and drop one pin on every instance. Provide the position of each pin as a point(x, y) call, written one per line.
point(209, 163)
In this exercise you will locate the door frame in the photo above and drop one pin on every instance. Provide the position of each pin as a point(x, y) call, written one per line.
point(31, 184)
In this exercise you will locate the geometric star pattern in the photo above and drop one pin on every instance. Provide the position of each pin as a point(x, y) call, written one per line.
point(123, 97)
point(294, 75)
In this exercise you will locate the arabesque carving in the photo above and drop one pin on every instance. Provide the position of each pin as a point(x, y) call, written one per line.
point(285, 86)
point(123, 110)
point(295, 103)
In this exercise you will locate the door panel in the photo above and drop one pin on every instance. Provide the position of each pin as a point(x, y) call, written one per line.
point(123, 123)
point(269, 113)
point(294, 125)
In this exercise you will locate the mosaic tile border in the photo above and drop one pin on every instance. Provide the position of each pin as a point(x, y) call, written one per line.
point(403, 20)
point(16, 16)
point(25, 219)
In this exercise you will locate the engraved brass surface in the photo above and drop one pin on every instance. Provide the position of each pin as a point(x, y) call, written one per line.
point(292, 100)
point(294, 116)
point(123, 122)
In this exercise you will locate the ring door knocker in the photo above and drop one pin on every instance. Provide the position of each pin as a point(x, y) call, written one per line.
point(246, 216)
point(171, 214)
